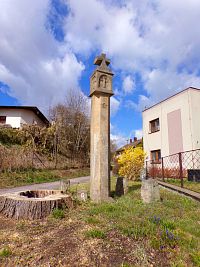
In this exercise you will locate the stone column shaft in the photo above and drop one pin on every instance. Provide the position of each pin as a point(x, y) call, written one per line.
point(100, 93)
point(100, 147)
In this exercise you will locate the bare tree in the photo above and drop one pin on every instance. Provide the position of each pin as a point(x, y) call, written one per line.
point(72, 126)
point(113, 148)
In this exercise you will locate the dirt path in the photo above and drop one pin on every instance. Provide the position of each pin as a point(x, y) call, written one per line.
point(48, 186)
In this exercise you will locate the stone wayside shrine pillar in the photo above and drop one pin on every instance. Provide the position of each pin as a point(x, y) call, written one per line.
point(100, 93)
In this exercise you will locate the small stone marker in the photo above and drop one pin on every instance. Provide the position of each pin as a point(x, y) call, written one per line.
point(64, 185)
point(121, 186)
point(82, 195)
point(150, 191)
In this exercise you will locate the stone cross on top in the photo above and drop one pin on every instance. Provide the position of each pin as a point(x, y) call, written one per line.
point(102, 60)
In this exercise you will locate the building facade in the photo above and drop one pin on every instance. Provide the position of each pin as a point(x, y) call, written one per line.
point(173, 125)
point(17, 116)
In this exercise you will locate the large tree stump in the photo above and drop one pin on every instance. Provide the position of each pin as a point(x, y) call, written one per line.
point(33, 204)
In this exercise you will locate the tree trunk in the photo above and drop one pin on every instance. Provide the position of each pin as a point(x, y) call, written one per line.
point(33, 205)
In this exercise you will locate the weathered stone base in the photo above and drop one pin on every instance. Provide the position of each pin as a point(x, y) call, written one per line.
point(33, 205)
point(150, 191)
point(121, 186)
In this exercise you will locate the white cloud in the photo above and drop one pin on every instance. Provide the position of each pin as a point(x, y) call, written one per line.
point(143, 103)
point(119, 139)
point(158, 40)
point(138, 133)
point(161, 84)
point(111, 127)
point(114, 105)
point(38, 69)
point(128, 85)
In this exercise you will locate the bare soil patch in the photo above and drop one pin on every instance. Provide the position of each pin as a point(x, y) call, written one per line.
point(53, 243)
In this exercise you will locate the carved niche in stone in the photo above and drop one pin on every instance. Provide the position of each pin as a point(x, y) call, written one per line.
point(103, 80)
point(104, 83)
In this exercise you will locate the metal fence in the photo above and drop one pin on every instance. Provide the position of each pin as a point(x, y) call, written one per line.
point(182, 169)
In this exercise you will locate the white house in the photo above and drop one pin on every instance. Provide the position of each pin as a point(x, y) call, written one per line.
point(17, 116)
point(173, 125)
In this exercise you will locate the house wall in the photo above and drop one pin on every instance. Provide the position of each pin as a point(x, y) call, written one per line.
point(29, 117)
point(13, 117)
point(152, 141)
point(17, 117)
point(194, 98)
point(175, 134)
point(178, 117)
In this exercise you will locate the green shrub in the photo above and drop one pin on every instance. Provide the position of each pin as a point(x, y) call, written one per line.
point(95, 234)
point(58, 213)
point(92, 220)
point(5, 252)
point(196, 258)
point(9, 136)
point(126, 265)
point(131, 163)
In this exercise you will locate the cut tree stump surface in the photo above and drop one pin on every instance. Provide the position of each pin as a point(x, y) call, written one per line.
point(33, 205)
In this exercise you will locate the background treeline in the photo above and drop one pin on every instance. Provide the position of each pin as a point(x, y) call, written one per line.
point(64, 144)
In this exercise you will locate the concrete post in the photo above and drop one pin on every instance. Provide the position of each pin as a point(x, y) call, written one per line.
point(100, 93)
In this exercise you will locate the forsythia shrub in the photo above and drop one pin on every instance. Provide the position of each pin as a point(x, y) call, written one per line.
point(131, 163)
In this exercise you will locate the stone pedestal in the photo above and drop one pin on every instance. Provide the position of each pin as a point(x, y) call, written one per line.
point(150, 191)
point(100, 93)
point(64, 185)
point(121, 186)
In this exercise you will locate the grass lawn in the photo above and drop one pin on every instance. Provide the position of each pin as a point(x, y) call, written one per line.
point(125, 232)
point(12, 179)
point(195, 186)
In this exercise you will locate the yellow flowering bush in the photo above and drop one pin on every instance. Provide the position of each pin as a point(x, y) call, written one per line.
point(131, 162)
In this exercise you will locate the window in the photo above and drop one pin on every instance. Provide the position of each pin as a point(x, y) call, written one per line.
point(2, 119)
point(154, 125)
point(156, 156)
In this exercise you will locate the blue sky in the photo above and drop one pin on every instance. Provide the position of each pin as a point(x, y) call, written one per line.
point(47, 48)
